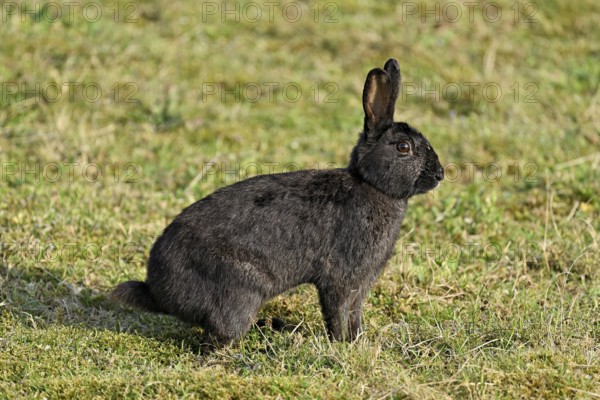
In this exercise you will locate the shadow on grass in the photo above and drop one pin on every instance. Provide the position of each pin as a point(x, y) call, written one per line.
point(38, 298)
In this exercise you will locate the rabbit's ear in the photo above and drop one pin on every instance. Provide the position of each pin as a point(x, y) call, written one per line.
point(393, 70)
point(379, 96)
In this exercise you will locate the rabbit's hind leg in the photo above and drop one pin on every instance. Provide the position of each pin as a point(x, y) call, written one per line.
point(234, 316)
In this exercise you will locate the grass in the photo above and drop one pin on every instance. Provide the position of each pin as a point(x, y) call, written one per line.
point(493, 291)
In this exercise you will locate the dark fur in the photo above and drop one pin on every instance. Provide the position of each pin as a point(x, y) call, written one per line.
point(225, 255)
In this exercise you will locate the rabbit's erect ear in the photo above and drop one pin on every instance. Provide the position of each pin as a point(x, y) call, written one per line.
point(379, 96)
point(393, 69)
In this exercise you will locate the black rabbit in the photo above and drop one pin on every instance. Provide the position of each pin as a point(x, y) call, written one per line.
point(225, 255)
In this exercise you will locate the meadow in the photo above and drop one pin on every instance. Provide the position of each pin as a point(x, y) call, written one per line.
point(114, 116)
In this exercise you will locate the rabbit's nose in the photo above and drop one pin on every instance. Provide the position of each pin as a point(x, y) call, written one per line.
point(439, 175)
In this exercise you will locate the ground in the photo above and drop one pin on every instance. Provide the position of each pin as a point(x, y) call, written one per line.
point(115, 116)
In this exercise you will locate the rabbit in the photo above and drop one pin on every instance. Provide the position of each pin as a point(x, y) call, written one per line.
point(224, 256)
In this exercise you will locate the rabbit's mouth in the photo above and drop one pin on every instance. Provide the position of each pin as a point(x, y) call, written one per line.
point(425, 183)
point(429, 179)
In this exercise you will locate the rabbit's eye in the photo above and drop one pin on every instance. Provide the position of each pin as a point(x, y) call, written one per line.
point(403, 147)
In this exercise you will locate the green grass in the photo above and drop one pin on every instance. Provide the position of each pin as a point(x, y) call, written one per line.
point(493, 291)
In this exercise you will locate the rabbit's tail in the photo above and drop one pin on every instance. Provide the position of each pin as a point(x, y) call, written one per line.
point(135, 294)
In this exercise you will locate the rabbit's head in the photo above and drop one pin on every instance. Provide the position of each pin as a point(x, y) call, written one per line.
point(392, 156)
